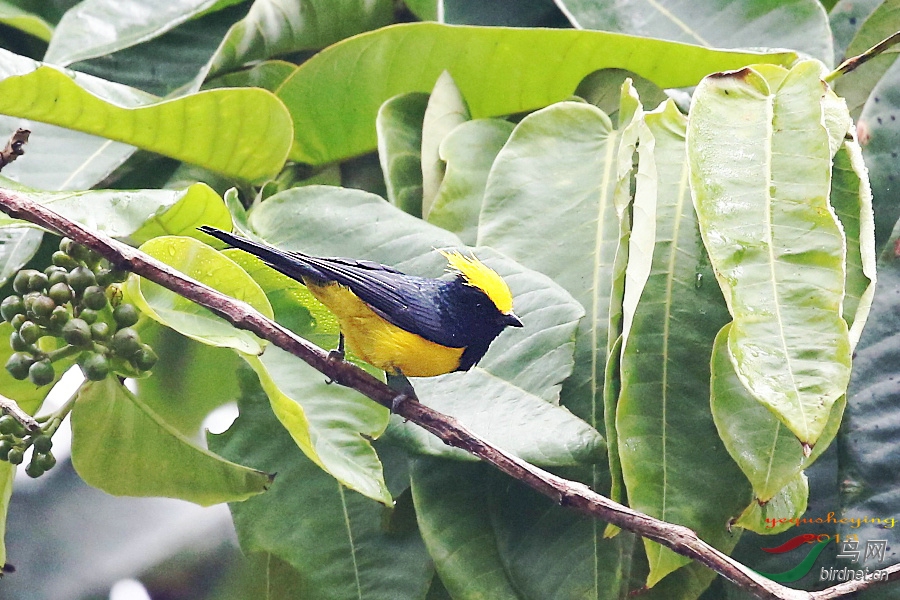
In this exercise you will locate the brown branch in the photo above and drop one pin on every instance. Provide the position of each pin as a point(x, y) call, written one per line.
point(854, 62)
point(568, 493)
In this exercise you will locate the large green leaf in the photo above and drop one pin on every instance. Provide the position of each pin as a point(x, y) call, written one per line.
point(399, 127)
point(332, 425)
point(779, 512)
point(858, 84)
point(197, 260)
point(275, 27)
point(446, 110)
point(851, 197)
point(244, 132)
point(97, 27)
point(136, 214)
point(846, 18)
point(334, 221)
point(869, 437)
point(499, 71)
point(765, 450)
point(761, 192)
point(7, 474)
point(342, 544)
point(673, 462)
point(469, 152)
point(122, 447)
point(798, 24)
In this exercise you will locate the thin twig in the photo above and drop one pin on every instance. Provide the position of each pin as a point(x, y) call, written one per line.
point(568, 493)
point(854, 62)
point(11, 407)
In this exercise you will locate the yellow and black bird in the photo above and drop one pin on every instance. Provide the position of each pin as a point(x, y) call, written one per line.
point(402, 324)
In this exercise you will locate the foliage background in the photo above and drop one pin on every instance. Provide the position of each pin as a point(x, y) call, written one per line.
point(70, 540)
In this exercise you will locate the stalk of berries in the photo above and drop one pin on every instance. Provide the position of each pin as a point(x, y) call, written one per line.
point(73, 308)
point(15, 440)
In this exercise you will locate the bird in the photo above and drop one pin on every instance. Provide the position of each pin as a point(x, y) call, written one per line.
point(405, 325)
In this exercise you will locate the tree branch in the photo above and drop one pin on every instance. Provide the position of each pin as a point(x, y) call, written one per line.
point(568, 493)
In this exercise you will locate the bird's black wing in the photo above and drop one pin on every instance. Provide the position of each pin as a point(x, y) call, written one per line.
point(419, 305)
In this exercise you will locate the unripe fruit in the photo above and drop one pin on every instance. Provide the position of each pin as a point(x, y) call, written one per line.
point(59, 317)
point(20, 282)
point(77, 333)
point(11, 306)
point(89, 316)
point(94, 297)
point(80, 278)
point(41, 373)
point(126, 342)
point(126, 315)
point(5, 447)
point(100, 331)
point(17, 343)
point(15, 456)
point(18, 320)
point(145, 358)
point(96, 367)
point(47, 461)
point(43, 444)
point(38, 282)
point(18, 365)
point(61, 259)
point(30, 332)
point(43, 306)
point(9, 425)
point(34, 469)
point(60, 293)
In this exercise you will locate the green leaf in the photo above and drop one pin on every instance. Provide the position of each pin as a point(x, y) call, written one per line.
point(847, 17)
point(122, 447)
point(781, 511)
point(399, 127)
point(755, 185)
point(674, 465)
point(765, 450)
point(342, 544)
point(275, 27)
point(97, 27)
point(332, 425)
point(136, 214)
point(32, 24)
point(469, 152)
point(798, 24)
point(199, 261)
point(333, 109)
point(858, 84)
point(446, 110)
point(460, 539)
point(511, 396)
point(7, 475)
point(252, 144)
point(851, 197)
point(17, 246)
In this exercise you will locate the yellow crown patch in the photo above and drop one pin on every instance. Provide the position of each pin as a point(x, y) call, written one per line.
point(482, 277)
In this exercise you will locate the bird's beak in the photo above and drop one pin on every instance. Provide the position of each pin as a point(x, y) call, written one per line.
point(511, 320)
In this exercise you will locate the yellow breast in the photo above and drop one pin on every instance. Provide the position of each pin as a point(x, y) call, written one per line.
point(380, 343)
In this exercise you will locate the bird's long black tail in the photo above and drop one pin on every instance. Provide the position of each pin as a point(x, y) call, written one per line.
point(290, 264)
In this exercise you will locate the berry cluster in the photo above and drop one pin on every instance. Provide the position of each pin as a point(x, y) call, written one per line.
point(15, 440)
point(77, 301)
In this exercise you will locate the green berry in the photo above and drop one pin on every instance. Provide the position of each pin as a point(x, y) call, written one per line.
point(77, 332)
point(9, 425)
point(89, 316)
point(34, 469)
point(5, 447)
point(30, 332)
point(41, 373)
point(18, 365)
point(126, 342)
point(42, 444)
point(43, 306)
point(20, 282)
point(47, 461)
point(81, 278)
point(101, 331)
point(61, 259)
point(60, 292)
point(64, 244)
point(18, 321)
point(59, 317)
point(17, 343)
point(77, 251)
point(95, 297)
point(38, 282)
point(28, 300)
point(15, 456)
point(96, 367)
point(144, 359)
point(126, 315)
point(11, 306)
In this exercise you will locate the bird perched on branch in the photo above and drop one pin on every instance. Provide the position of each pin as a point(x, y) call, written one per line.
point(403, 324)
